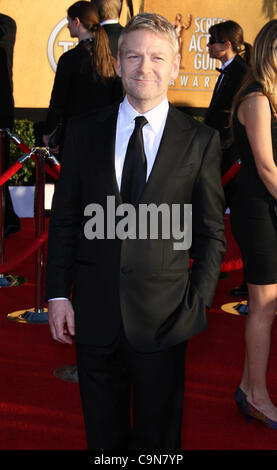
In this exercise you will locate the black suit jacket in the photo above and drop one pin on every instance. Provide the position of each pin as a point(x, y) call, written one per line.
point(218, 114)
point(144, 284)
point(6, 95)
point(7, 41)
point(113, 31)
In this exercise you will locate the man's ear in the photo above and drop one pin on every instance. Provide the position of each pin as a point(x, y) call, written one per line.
point(175, 67)
point(228, 45)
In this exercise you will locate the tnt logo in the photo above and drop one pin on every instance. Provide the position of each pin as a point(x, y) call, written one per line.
point(59, 42)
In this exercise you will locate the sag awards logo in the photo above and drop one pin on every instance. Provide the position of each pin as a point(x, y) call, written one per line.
point(59, 42)
point(197, 69)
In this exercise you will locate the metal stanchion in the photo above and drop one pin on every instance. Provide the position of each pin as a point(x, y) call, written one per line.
point(37, 314)
point(6, 280)
point(54, 172)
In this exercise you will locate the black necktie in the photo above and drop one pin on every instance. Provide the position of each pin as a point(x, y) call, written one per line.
point(135, 165)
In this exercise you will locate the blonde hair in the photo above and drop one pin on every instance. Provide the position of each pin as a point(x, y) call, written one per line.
point(263, 65)
point(152, 22)
point(265, 61)
point(108, 9)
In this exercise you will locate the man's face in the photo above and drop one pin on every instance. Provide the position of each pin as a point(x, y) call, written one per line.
point(218, 50)
point(146, 64)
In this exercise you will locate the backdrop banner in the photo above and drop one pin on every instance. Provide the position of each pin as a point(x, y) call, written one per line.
point(42, 36)
point(192, 20)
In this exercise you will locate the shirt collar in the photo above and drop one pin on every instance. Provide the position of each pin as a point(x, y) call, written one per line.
point(109, 22)
point(155, 116)
point(227, 63)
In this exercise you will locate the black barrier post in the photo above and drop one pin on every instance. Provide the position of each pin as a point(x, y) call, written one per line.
point(38, 313)
point(40, 227)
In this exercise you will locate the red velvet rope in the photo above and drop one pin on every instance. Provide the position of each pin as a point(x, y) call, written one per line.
point(10, 172)
point(9, 265)
point(232, 265)
point(18, 164)
point(230, 173)
point(22, 146)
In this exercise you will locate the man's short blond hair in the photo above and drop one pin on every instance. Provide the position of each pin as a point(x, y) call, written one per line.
point(151, 22)
point(108, 9)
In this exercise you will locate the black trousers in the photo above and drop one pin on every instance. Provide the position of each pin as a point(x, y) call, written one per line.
point(110, 376)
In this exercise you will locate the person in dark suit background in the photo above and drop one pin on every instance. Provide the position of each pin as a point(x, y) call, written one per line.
point(227, 44)
point(6, 95)
point(7, 41)
point(109, 12)
point(135, 300)
point(86, 75)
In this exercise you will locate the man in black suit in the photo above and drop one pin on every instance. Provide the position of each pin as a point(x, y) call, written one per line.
point(136, 302)
point(109, 12)
point(225, 44)
point(7, 41)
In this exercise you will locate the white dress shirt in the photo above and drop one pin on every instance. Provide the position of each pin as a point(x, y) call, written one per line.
point(152, 134)
point(223, 66)
point(111, 21)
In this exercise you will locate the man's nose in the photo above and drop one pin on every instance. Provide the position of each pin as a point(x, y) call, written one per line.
point(144, 65)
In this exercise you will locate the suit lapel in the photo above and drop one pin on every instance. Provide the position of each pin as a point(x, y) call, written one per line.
point(175, 142)
point(107, 149)
point(220, 88)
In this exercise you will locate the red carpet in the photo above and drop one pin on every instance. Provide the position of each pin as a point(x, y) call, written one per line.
point(41, 412)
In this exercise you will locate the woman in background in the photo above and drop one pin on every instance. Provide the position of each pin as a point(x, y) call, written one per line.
point(86, 75)
point(254, 219)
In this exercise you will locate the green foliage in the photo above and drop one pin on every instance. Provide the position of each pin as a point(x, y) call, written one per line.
point(25, 131)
